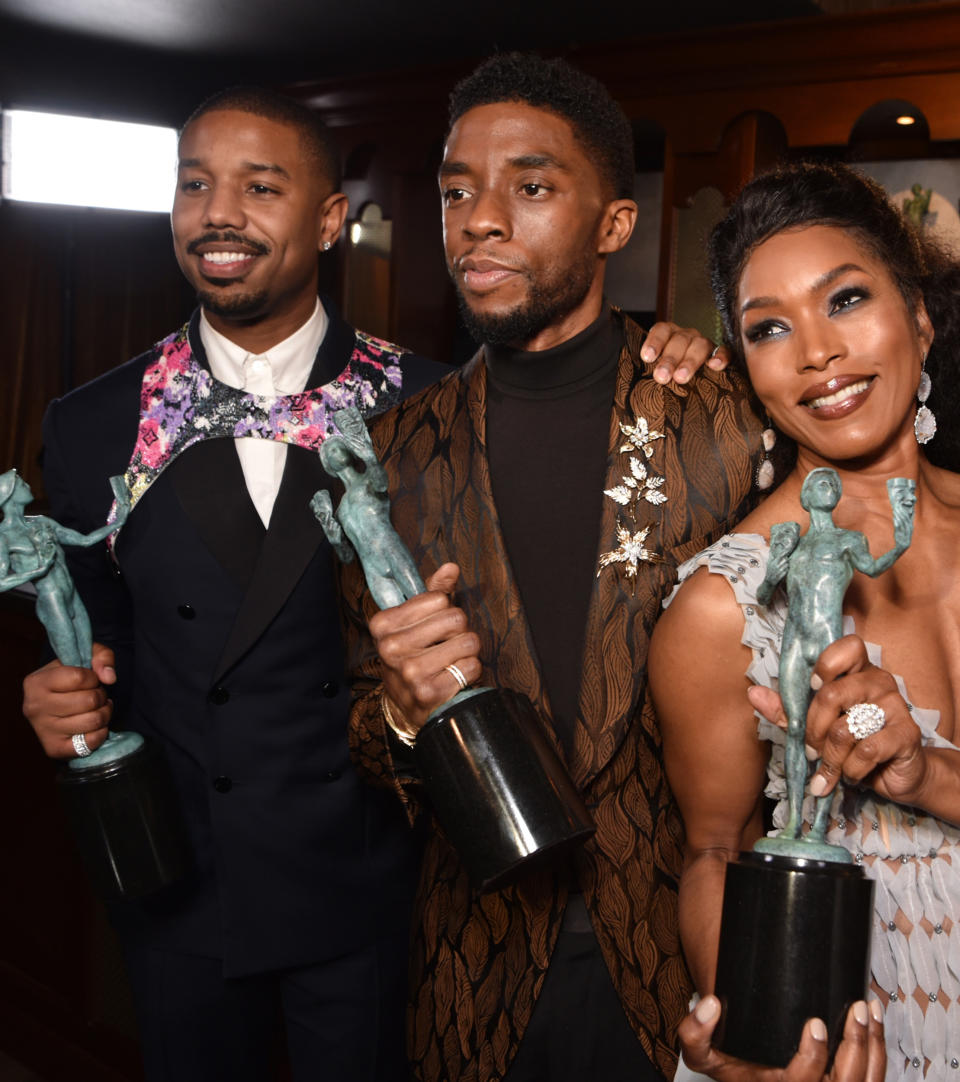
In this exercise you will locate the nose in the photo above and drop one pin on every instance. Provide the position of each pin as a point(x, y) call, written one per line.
point(223, 207)
point(820, 345)
point(487, 216)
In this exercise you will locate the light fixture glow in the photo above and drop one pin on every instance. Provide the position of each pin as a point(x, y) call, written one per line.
point(906, 120)
point(80, 162)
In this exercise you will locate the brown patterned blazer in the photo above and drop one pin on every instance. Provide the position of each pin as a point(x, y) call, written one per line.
point(478, 963)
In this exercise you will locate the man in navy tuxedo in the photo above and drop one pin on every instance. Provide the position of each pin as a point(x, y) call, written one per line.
point(218, 631)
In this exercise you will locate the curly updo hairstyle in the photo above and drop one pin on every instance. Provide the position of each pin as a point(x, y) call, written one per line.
point(805, 194)
point(599, 124)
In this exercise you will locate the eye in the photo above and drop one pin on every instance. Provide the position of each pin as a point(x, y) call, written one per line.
point(764, 330)
point(192, 186)
point(847, 298)
point(262, 189)
point(453, 195)
point(533, 188)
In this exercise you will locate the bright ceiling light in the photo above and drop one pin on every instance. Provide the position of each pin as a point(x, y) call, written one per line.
point(906, 120)
point(79, 162)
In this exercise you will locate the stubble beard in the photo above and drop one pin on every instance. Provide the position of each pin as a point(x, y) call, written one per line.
point(233, 305)
point(548, 301)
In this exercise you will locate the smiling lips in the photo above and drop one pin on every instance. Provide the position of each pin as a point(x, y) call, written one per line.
point(222, 263)
point(838, 397)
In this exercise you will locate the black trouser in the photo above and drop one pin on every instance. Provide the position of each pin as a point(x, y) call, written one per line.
point(578, 1031)
point(343, 1019)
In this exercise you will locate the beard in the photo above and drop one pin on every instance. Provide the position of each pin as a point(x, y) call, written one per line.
point(549, 299)
point(235, 305)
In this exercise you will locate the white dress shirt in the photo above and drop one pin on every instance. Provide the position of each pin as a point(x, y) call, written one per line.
point(282, 370)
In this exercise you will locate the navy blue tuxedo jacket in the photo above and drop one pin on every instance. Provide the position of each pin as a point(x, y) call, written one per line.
point(229, 654)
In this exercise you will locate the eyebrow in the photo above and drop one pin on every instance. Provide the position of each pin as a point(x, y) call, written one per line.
point(248, 167)
point(524, 161)
point(821, 283)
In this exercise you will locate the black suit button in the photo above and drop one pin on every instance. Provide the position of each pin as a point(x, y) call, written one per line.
point(330, 775)
point(329, 688)
point(222, 784)
point(187, 612)
point(219, 696)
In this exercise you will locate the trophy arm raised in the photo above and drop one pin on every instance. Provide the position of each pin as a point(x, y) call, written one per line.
point(784, 537)
point(322, 507)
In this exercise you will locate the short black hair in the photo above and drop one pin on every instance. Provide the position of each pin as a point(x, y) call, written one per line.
point(817, 193)
point(259, 101)
point(598, 122)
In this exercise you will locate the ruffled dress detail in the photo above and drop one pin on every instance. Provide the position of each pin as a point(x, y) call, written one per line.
point(913, 857)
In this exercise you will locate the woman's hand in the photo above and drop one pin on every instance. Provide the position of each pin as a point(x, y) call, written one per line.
point(678, 353)
point(861, 1056)
point(891, 761)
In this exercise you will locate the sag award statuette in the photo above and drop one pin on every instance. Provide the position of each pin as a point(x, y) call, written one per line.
point(496, 785)
point(119, 799)
point(797, 912)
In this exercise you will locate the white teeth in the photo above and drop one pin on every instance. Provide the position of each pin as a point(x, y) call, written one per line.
point(838, 396)
point(226, 257)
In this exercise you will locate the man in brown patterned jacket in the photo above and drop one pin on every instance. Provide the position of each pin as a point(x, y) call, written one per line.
point(566, 479)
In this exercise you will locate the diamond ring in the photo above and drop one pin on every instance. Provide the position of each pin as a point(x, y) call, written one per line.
point(79, 742)
point(865, 719)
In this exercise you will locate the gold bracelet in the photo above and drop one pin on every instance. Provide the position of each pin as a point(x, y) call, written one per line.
point(403, 735)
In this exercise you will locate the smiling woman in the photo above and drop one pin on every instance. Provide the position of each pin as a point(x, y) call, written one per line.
point(841, 315)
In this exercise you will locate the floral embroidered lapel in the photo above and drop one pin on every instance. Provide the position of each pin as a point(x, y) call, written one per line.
point(181, 404)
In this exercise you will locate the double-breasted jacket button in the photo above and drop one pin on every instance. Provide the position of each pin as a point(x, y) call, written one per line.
point(330, 775)
point(219, 696)
point(187, 612)
point(329, 688)
point(223, 784)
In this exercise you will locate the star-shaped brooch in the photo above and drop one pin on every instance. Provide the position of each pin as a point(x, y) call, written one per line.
point(639, 437)
point(630, 552)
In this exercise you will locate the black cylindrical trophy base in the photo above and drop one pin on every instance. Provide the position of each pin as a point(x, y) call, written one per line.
point(498, 788)
point(125, 817)
point(794, 944)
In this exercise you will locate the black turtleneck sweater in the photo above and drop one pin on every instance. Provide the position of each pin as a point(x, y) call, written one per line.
point(548, 428)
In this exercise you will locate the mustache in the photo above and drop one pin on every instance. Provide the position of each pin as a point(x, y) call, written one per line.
point(478, 255)
point(227, 236)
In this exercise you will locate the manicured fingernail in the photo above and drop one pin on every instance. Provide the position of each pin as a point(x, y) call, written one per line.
point(811, 753)
point(818, 1030)
point(647, 354)
point(662, 374)
point(707, 1009)
point(681, 374)
point(876, 1010)
point(860, 1012)
point(818, 785)
point(815, 682)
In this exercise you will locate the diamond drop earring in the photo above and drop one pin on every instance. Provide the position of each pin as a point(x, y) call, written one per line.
point(924, 424)
point(765, 470)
